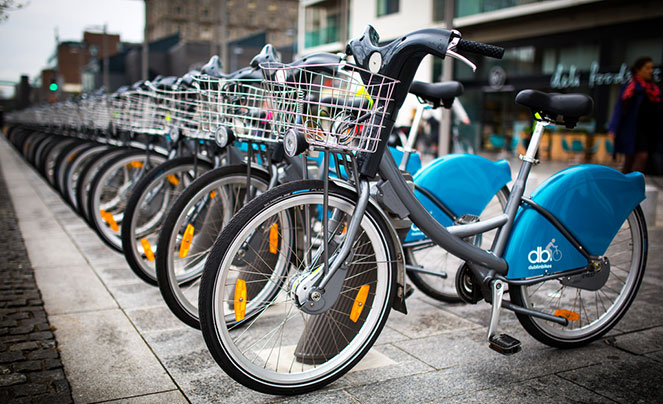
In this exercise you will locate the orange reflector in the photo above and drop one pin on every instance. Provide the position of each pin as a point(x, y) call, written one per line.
point(108, 218)
point(135, 164)
point(147, 248)
point(186, 240)
point(71, 158)
point(212, 194)
point(359, 303)
point(345, 228)
point(273, 238)
point(173, 180)
point(567, 314)
point(240, 300)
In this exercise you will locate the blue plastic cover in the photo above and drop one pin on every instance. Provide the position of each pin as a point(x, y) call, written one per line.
point(464, 183)
point(591, 201)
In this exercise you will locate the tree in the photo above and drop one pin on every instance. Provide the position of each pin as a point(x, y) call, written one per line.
point(9, 5)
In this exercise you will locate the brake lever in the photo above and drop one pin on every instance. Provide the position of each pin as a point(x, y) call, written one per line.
point(451, 52)
point(462, 58)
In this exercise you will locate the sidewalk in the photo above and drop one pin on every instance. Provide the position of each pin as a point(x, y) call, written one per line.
point(119, 342)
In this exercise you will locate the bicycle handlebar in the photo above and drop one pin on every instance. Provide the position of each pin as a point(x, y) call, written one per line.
point(479, 48)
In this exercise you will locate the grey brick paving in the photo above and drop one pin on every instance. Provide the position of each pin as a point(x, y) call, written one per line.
point(30, 365)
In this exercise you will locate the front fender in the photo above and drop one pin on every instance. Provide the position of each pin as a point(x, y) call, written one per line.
point(591, 201)
point(464, 183)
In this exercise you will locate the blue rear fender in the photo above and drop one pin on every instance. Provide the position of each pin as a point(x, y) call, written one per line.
point(464, 183)
point(591, 201)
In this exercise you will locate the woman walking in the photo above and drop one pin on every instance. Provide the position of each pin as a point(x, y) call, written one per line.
point(637, 121)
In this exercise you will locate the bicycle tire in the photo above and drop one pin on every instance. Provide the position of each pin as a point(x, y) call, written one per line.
point(438, 259)
point(174, 176)
point(179, 288)
point(75, 170)
point(111, 188)
point(62, 161)
point(86, 176)
point(313, 362)
point(629, 247)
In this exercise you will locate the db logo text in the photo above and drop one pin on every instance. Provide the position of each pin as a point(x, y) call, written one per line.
point(539, 256)
point(542, 258)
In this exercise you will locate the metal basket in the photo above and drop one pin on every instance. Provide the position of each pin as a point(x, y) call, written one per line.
point(337, 106)
point(238, 105)
point(179, 107)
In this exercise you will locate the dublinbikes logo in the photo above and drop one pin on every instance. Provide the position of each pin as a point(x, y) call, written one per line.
point(542, 258)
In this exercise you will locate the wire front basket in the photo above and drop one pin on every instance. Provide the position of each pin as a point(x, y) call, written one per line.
point(337, 106)
point(179, 108)
point(238, 105)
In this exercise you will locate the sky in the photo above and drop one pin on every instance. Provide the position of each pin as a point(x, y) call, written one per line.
point(27, 37)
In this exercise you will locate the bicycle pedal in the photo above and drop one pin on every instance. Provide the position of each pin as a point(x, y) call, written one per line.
point(504, 344)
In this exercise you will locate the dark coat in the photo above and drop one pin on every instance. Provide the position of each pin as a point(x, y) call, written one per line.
point(624, 122)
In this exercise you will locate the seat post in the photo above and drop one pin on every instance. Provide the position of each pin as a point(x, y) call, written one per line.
point(530, 155)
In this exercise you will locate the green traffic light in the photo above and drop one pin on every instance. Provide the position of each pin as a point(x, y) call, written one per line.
point(53, 87)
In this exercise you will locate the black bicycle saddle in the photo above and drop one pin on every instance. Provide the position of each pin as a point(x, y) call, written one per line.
point(569, 106)
point(437, 93)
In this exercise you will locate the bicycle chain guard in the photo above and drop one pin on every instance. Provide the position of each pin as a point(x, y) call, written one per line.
point(590, 280)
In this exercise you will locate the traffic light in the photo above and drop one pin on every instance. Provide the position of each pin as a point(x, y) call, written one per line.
point(53, 86)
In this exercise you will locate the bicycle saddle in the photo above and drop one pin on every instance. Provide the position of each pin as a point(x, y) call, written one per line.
point(188, 79)
point(266, 55)
point(165, 82)
point(569, 106)
point(437, 93)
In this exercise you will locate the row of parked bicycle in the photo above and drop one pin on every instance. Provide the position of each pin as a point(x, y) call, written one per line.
point(265, 207)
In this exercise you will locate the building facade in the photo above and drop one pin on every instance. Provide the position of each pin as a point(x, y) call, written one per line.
point(552, 45)
point(223, 24)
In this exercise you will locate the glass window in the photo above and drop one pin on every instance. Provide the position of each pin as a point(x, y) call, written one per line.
point(322, 24)
point(386, 7)
point(438, 10)
point(471, 7)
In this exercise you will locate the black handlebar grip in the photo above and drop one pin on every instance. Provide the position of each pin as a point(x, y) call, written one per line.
point(480, 48)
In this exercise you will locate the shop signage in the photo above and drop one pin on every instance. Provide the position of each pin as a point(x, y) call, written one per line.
point(563, 78)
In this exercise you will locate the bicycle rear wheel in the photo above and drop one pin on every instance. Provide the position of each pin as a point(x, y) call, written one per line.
point(265, 341)
point(591, 313)
point(434, 258)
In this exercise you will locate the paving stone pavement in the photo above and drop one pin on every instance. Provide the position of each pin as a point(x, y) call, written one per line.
point(30, 365)
point(119, 342)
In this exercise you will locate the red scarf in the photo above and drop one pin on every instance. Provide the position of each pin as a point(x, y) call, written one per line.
point(651, 89)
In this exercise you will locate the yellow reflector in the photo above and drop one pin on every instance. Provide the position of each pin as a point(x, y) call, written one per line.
point(186, 241)
point(136, 164)
point(147, 248)
point(172, 178)
point(274, 238)
point(240, 300)
point(108, 218)
point(212, 194)
point(567, 314)
point(359, 303)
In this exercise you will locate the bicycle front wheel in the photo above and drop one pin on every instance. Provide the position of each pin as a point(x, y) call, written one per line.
point(266, 342)
point(189, 230)
point(147, 208)
point(591, 313)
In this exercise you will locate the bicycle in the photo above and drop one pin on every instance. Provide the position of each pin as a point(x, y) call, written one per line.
point(338, 259)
